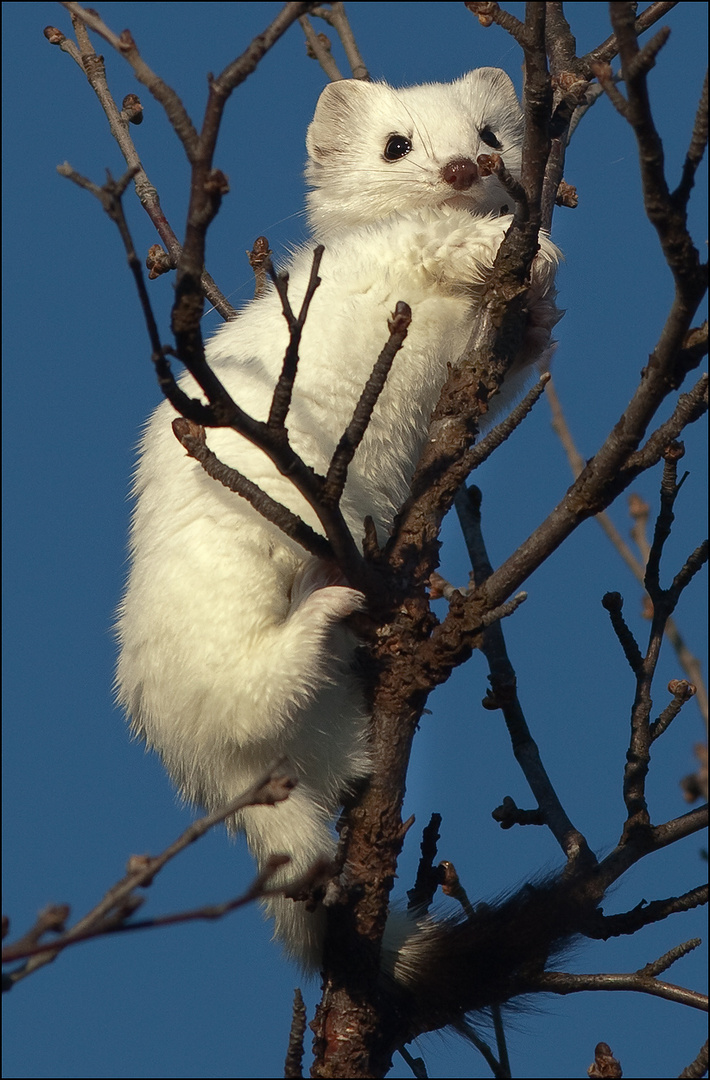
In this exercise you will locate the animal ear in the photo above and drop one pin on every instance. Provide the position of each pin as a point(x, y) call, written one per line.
point(493, 83)
point(491, 96)
point(496, 82)
point(338, 117)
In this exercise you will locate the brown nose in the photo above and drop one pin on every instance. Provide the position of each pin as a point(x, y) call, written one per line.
point(460, 173)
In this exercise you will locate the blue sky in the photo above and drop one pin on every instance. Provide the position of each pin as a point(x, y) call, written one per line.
point(214, 1000)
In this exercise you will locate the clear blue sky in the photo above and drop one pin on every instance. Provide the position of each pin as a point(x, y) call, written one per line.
point(214, 1000)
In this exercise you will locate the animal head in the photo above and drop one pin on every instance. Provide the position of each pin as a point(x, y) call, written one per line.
point(374, 150)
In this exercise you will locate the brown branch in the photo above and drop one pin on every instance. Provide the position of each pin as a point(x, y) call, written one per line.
point(637, 844)
point(630, 922)
point(608, 81)
point(503, 693)
point(417, 1065)
point(335, 15)
point(695, 562)
point(259, 257)
point(318, 47)
point(94, 68)
point(682, 691)
point(281, 400)
point(696, 149)
point(661, 210)
point(663, 963)
point(192, 437)
point(224, 412)
point(602, 480)
point(502, 431)
point(613, 603)
point(685, 825)
point(398, 326)
point(508, 813)
point(609, 49)
point(314, 877)
point(293, 1067)
point(489, 13)
point(164, 94)
point(605, 1065)
point(639, 512)
point(699, 1066)
point(492, 165)
point(421, 896)
point(689, 409)
point(119, 902)
point(664, 521)
point(468, 1031)
point(557, 982)
point(503, 611)
point(559, 40)
point(664, 601)
point(110, 198)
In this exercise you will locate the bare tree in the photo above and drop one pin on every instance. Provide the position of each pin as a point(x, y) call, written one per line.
point(411, 650)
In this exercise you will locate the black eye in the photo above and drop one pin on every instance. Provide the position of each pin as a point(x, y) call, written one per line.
point(397, 147)
point(488, 137)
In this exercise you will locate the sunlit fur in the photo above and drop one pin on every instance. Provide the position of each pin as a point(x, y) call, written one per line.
point(232, 644)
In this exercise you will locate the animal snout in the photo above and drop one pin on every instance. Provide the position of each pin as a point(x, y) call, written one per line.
point(460, 173)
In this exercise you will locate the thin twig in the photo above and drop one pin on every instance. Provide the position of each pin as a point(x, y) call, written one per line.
point(274, 786)
point(420, 897)
point(630, 922)
point(92, 64)
point(613, 602)
point(492, 165)
point(504, 693)
point(398, 326)
point(557, 982)
point(637, 844)
point(502, 431)
point(489, 13)
point(417, 1065)
point(682, 691)
point(668, 220)
point(639, 513)
point(293, 1068)
point(663, 963)
point(484, 1050)
point(696, 149)
point(699, 1066)
point(501, 1041)
point(193, 438)
point(610, 48)
point(281, 400)
point(336, 16)
point(259, 257)
point(318, 47)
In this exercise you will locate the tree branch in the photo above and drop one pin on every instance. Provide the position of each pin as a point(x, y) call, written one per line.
point(120, 901)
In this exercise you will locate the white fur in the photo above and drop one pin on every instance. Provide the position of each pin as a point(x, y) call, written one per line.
point(232, 644)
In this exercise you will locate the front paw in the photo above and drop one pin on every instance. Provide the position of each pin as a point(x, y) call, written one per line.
point(321, 587)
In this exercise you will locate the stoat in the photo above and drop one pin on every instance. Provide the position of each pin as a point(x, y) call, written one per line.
point(233, 642)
